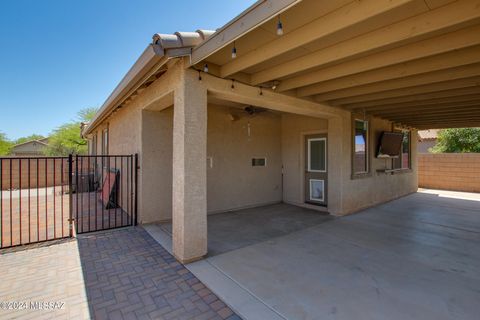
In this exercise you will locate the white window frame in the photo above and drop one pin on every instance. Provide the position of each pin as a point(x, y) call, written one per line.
point(309, 154)
point(311, 189)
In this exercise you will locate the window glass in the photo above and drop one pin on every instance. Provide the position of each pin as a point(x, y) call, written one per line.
point(94, 145)
point(317, 153)
point(105, 142)
point(360, 160)
point(403, 161)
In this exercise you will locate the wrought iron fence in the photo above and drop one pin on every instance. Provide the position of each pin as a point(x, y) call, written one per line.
point(41, 198)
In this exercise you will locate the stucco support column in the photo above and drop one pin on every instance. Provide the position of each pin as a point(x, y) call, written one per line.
point(189, 169)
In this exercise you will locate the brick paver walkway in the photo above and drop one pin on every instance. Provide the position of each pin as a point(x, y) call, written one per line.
point(118, 274)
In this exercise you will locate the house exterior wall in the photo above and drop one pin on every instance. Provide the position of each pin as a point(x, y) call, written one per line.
point(232, 182)
point(356, 193)
point(377, 187)
point(157, 141)
point(294, 129)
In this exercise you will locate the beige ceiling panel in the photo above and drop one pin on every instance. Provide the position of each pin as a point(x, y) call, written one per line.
point(439, 21)
point(444, 43)
point(419, 66)
point(417, 98)
point(440, 86)
point(345, 17)
point(420, 80)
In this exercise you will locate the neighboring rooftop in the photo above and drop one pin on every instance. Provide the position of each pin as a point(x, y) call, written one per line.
point(30, 148)
point(425, 135)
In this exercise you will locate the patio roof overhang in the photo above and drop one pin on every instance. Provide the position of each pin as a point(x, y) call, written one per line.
point(414, 62)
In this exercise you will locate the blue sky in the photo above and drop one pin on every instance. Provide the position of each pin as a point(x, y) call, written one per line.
point(59, 56)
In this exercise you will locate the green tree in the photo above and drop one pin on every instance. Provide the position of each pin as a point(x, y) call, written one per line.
point(5, 145)
point(29, 138)
point(458, 140)
point(87, 114)
point(67, 138)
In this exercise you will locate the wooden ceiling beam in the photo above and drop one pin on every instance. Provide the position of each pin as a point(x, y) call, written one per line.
point(421, 49)
point(425, 81)
point(414, 98)
point(428, 89)
point(446, 126)
point(420, 27)
point(415, 67)
point(407, 98)
point(441, 120)
point(475, 109)
point(396, 111)
point(453, 114)
point(461, 100)
point(345, 18)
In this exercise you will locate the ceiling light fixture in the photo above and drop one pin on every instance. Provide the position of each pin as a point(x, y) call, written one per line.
point(279, 27)
point(205, 68)
point(234, 51)
point(275, 84)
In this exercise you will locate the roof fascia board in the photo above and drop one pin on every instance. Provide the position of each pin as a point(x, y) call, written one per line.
point(134, 78)
point(248, 20)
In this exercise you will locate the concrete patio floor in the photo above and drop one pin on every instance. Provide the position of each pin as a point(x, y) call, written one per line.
point(237, 229)
point(417, 257)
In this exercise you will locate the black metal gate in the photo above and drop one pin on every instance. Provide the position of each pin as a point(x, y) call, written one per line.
point(43, 198)
point(103, 192)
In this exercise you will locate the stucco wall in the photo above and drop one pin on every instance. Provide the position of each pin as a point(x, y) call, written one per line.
point(157, 141)
point(294, 129)
point(352, 193)
point(124, 135)
point(232, 181)
point(124, 132)
point(378, 187)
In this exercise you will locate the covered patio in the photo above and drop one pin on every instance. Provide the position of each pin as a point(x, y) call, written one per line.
point(413, 258)
point(332, 76)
